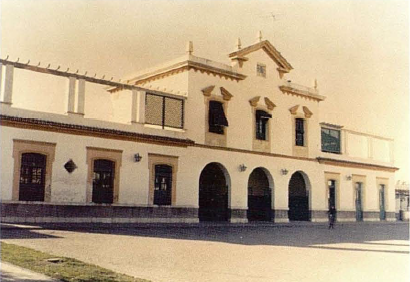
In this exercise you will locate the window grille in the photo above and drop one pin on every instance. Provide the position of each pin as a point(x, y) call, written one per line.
point(164, 111)
point(300, 132)
point(217, 119)
point(330, 140)
point(32, 177)
point(262, 130)
point(103, 181)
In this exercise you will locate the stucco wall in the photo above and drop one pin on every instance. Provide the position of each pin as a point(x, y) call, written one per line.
point(134, 179)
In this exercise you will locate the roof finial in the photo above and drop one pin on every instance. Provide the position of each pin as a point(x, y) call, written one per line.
point(259, 36)
point(238, 44)
point(190, 47)
point(315, 83)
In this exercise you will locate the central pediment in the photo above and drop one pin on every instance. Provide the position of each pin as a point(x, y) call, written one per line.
point(283, 65)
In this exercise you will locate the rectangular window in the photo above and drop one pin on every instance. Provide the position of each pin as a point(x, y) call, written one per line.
point(261, 70)
point(216, 118)
point(262, 130)
point(164, 111)
point(330, 140)
point(300, 132)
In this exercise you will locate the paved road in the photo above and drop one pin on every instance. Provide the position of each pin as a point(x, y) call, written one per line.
point(351, 252)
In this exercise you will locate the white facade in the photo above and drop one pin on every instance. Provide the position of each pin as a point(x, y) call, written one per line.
point(194, 81)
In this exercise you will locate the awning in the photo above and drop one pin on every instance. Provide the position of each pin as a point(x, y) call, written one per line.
point(263, 114)
point(216, 114)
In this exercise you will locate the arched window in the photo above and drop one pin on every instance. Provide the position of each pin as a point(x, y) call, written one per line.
point(262, 129)
point(32, 177)
point(163, 185)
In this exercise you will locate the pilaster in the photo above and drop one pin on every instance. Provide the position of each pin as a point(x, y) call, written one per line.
point(8, 85)
point(81, 97)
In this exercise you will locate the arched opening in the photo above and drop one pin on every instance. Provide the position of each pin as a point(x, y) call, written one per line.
point(213, 194)
point(32, 177)
point(103, 181)
point(259, 196)
point(298, 198)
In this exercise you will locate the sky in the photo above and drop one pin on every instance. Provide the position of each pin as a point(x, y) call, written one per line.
point(358, 50)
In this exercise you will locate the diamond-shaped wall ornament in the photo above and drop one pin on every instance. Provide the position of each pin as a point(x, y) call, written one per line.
point(70, 166)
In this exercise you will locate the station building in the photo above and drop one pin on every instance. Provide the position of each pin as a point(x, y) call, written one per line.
point(190, 140)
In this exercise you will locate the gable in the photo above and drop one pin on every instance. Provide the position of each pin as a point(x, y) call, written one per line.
point(283, 65)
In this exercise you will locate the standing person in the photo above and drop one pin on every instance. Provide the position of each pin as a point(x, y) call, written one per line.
point(332, 217)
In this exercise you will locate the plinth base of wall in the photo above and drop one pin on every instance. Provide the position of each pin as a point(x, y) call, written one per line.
point(94, 213)
point(238, 216)
point(318, 216)
point(280, 216)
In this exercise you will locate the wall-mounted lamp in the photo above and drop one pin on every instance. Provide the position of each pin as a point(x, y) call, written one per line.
point(137, 157)
point(348, 177)
point(242, 167)
point(284, 171)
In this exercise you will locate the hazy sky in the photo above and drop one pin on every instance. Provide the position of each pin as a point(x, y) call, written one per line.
point(357, 50)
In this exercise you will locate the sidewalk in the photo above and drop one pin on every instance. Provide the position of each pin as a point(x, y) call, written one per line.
point(12, 273)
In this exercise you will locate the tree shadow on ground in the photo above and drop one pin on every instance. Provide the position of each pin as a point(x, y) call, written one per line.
point(371, 236)
point(22, 232)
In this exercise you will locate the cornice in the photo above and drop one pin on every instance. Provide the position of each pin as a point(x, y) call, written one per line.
point(186, 66)
point(301, 93)
point(283, 65)
point(64, 128)
point(51, 126)
point(330, 125)
point(351, 164)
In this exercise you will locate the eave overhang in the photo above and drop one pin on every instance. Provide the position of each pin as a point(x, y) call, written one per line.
point(99, 132)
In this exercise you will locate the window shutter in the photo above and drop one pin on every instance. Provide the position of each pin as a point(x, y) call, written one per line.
point(216, 114)
point(263, 114)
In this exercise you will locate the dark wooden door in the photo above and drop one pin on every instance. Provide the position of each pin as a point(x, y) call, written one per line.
point(213, 203)
point(103, 181)
point(382, 203)
point(163, 185)
point(359, 208)
point(32, 177)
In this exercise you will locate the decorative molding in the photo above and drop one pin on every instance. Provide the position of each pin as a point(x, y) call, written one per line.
point(305, 94)
point(186, 66)
point(356, 164)
point(254, 101)
point(229, 149)
point(270, 50)
point(29, 146)
point(329, 125)
point(269, 104)
point(307, 112)
point(294, 109)
point(282, 72)
point(226, 95)
point(240, 60)
point(43, 125)
point(207, 91)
